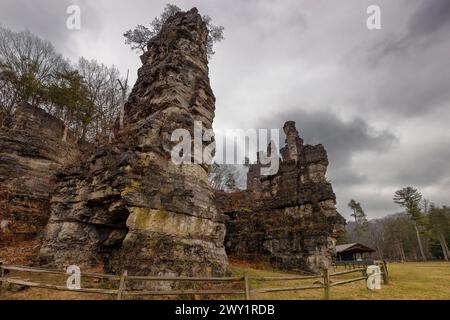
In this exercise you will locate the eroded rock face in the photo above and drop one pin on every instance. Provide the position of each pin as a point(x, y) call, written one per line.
point(289, 218)
point(128, 206)
point(31, 150)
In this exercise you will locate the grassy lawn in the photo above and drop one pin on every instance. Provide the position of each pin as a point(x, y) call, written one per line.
point(430, 280)
point(416, 281)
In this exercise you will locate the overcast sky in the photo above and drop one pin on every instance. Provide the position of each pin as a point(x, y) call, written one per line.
point(378, 100)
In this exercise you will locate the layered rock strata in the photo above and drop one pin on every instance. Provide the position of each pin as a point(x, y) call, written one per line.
point(128, 206)
point(290, 218)
point(31, 150)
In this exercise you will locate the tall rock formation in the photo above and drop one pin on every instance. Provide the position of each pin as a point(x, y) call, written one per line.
point(290, 218)
point(31, 150)
point(128, 206)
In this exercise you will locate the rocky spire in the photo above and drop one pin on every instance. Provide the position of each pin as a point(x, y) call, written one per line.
point(174, 72)
point(129, 206)
point(292, 214)
point(294, 143)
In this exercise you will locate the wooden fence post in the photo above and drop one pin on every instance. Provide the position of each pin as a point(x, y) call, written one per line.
point(247, 286)
point(326, 283)
point(2, 273)
point(122, 285)
point(385, 273)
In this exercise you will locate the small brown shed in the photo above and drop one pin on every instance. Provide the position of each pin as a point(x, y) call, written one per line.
point(353, 252)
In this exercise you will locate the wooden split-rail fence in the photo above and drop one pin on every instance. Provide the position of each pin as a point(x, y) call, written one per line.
point(355, 264)
point(323, 282)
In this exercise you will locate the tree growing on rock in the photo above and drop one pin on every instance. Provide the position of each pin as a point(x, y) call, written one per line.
point(86, 95)
point(70, 97)
point(138, 37)
point(27, 65)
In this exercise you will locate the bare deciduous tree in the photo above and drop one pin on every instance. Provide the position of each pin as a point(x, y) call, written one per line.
point(105, 94)
point(223, 177)
point(27, 62)
point(86, 96)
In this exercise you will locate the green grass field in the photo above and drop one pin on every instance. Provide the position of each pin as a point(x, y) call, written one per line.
point(408, 281)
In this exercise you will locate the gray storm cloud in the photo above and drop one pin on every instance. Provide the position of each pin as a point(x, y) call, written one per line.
point(431, 16)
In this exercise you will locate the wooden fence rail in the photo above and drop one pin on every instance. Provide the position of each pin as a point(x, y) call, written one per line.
point(326, 283)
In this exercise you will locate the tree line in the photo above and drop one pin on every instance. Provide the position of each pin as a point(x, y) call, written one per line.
point(421, 232)
point(85, 95)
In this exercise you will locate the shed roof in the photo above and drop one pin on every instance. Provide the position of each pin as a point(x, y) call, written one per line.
point(353, 247)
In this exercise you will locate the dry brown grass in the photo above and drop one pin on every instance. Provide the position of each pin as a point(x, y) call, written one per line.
point(408, 281)
point(20, 252)
point(416, 281)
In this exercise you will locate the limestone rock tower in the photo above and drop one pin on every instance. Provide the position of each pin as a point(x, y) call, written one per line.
point(127, 205)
